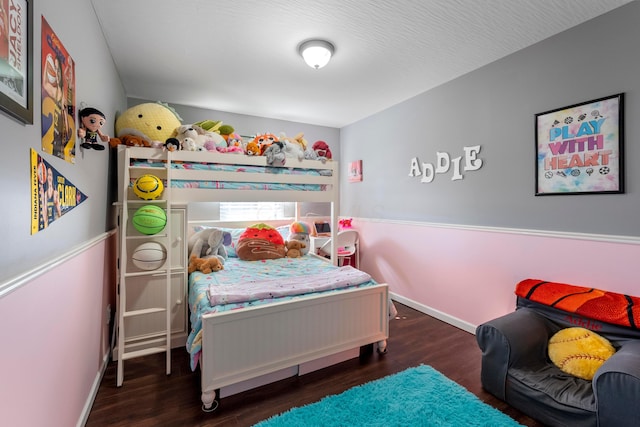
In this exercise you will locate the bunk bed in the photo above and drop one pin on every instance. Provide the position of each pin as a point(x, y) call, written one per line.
point(258, 339)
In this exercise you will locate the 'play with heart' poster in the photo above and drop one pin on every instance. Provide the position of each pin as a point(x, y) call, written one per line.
point(579, 149)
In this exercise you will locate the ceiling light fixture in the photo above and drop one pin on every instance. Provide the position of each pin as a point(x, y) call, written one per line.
point(316, 53)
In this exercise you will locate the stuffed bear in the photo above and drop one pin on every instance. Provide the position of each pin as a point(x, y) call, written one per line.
point(294, 248)
point(322, 150)
point(206, 265)
point(209, 243)
point(130, 141)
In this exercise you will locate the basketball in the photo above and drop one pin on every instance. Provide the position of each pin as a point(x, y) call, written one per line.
point(149, 256)
point(149, 219)
point(148, 187)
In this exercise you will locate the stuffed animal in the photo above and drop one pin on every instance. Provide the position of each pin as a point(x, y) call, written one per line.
point(260, 241)
point(209, 243)
point(130, 141)
point(190, 144)
point(206, 265)
point(209, 125)
point(322, 150)
point(235, 140)
point(172, 144)
point(294, 248)
point(153, 122)
point(275, 154)
point(301, 231)
point(226, 131)
point(301, 141)
point(252, 149)
point(194, 138)
point(292, 148)
point(264, 141)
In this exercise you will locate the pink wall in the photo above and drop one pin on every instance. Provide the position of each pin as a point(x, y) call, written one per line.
point(54, 337)
point(470, 275)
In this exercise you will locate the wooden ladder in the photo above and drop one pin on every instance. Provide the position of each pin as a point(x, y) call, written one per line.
point(131, 276)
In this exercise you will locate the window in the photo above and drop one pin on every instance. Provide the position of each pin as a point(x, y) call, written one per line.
point(259, 211)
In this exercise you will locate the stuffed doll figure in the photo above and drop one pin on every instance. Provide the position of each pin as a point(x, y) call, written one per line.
point(91, 122)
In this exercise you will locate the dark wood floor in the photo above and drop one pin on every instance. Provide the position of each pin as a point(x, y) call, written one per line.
point(151, 398)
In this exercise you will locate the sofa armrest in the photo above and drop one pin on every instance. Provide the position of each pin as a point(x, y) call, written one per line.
point(518, 339)
point(616, 386)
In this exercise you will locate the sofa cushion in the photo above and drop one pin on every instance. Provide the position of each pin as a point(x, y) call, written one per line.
point(559, 386)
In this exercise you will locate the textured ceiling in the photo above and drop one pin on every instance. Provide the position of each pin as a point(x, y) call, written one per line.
point(241, 56)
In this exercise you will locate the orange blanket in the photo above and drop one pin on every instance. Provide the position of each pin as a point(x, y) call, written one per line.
point(593, 303)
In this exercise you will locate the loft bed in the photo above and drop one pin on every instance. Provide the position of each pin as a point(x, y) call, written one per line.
point(299, 329)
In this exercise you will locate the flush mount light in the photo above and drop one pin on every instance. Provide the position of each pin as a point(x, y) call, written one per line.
point(316, 53)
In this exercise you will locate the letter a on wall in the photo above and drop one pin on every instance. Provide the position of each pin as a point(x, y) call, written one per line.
point(52, 195)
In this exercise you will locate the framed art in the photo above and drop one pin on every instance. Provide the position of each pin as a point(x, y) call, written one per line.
point(16, 64)
point(579, 148)
point(355, 171)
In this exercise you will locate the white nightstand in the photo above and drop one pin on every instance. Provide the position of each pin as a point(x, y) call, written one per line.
point(317, 242)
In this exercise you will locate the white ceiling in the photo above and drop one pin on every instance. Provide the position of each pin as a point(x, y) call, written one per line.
point(240, 56)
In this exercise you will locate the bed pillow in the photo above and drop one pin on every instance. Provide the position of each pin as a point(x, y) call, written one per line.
point(235, 235)
point(284, 231)
point(260, 241)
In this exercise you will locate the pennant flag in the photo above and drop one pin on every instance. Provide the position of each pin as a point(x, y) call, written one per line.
point(52, 195)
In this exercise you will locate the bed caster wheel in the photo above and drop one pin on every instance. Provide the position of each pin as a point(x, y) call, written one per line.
point(382, 347)
point(210, 401)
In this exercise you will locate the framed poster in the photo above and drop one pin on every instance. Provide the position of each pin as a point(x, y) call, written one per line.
point(355, 171)
point(579, 148)
point(16, 64)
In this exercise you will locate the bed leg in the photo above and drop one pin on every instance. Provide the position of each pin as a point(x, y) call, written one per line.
point(382, 347)
point(209, 401)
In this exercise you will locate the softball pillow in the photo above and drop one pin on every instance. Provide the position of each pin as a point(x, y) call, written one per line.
point(579, 351)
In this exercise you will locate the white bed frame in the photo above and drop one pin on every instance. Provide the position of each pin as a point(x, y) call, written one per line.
point(289, 333)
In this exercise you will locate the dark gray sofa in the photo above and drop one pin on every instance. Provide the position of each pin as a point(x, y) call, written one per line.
point(517, 370)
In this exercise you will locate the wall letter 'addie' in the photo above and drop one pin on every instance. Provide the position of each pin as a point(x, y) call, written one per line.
point(472, 163)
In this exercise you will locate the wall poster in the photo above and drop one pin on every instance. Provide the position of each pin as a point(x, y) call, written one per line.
point(579, 148)
point(355, 171)
point(52, 195)
point(16, 63)
point(58, 97)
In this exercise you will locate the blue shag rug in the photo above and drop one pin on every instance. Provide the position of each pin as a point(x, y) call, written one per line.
point(418, 396)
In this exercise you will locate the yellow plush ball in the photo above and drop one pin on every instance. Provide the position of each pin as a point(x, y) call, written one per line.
point(148, 187)
point(579, 351)
point(151, 121)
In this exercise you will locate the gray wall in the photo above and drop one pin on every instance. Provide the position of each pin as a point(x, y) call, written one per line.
point(97, 85)
point(494, 107)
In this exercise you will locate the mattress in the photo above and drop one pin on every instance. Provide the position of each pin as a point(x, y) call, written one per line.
point(228, 185)
point(238, 271)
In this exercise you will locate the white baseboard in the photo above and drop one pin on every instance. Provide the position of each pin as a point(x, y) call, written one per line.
point(84, 416)
point(454, 321)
